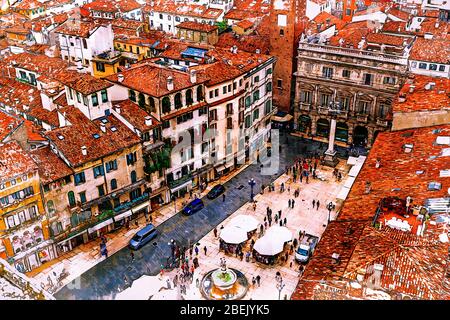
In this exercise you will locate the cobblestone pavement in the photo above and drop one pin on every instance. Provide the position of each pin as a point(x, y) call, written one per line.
point(302, 217)
point(99, 278)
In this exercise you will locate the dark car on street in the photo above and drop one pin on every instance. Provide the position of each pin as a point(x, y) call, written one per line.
point(215, 191)
point(193, 206)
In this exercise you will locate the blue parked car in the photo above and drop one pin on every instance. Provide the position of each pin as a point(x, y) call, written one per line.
point(143, 236)
point(193, 207)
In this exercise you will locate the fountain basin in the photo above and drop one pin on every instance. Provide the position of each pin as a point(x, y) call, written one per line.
point(223, 279)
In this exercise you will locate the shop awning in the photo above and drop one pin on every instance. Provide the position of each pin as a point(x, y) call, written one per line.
point(123, 215)
point(229, 164)
point(285, 118)
point(140, 207)
point(100, 225)
point(73, 236)
point(181, 186)
point(220, 168)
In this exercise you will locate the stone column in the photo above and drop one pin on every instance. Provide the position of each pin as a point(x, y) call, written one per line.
point(313, 125)
point(370, 133)
point(332, 136)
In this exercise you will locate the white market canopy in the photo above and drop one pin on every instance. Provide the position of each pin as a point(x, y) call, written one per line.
point(246, 222)
point(233, 235)
point(277, 233)
point(268, 247)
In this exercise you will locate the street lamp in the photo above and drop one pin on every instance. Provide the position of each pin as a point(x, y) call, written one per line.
point(174, 203)
point(334, 108)
point(252, 184)
point(329, 207)
point(280, 285)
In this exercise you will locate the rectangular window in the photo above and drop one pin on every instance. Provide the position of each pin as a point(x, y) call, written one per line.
point(101, 190)
point(389, 80)
point(280, 84)
point(224, 89)
point(256, 95)
point(305, 96)
point(248, 122)
point(346, 73)
point(248, 101)
point(100, 66)
point(368, 79)
point(166, 124)
point(256, 114)
point(433, 66)
point(84, 43)
point(94, 99)
point(441, 68)
point(85, 100)
point(131, 158)
point(78, 97)
point(79, 178)
point(111, 165)
point(422, 65)
point(327, 72)
point(82, 197)
point(104, 95)
point(99, 171)
point(211, 93)
point(216, 92)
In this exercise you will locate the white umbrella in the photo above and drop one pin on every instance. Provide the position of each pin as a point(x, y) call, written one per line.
point(246, 222)
point(233, 235)
point(282, 234)
point(167, 294)
point(268, 247)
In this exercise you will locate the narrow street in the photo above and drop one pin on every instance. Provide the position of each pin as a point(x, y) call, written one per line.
point(107, 278)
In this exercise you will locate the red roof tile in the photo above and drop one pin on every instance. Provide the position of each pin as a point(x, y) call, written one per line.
point(431, 50)
point(82, 82)
point(196, 26)
point(50, 166)
point(113, 5)
point(135, 115)
point(14, 161)
point(8, 124)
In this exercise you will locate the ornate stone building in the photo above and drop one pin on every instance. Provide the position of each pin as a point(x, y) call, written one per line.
point(364, 83)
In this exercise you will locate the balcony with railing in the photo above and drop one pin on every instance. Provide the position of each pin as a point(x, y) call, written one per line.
point(382, 122)
point(361, 117)
point(180, 181)
point(378, 56)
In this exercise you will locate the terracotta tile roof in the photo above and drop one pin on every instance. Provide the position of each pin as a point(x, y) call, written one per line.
point(16, 94)
point(18, 30)
point(249, 43)
point(33, 132)
point(431, 50)
point(183, 9)
point(244, 24)
point(323, 21)
point(437, 28)
point(156, 84)
point(135, 115)
point(14, 161)
point(113, 5)
point(403, 15)
point(382, 38)
point(79, 28)
point(39, 63)
point(8, 124)
point(50, 166)
point(397, 27)
point(81, 133)
point(237, 14)
point(44, 115)
point(413, 265)
point(28, 5)
point(123, 23)
point(420, 99)
point(82, 82)
point(351, 34)
point(196, 26)
point(183, 111)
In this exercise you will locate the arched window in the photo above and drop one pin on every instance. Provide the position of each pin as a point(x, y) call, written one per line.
point(132, 95)
point(141, 100)
point(200, 95)
point(189, 98)
point(133, 176)
point(71, 197)
point(166, 105)
point(152, 104)
point(113, 184)
point(51, 208)
point(178, 103)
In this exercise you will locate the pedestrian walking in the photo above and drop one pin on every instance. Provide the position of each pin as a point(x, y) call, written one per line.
point(254, 206)
point(314, 203)
point(265, 224)
point(253, 281)
point(205, 249)
point(318, 204)
point(196, 250)
point(276, 218)
point(223, 197)
point(293, 203)
point(289, 203)
point(284, 221)
point(132, 256)
point(215, 232)
point(279, 214)
point(258, 280)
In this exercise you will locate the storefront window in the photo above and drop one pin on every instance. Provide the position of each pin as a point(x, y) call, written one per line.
point(323, 128)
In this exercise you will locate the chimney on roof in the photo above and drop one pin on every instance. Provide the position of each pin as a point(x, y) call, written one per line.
point(169, 83)
point(430, 86)
point(436, 25)
point(84, 150)
point(117, 108)
point(193, 76)
point(258, 51)
point(411, 88)
point(148, 121)
point(103, 127)
point(428, 35)
point(120, 77)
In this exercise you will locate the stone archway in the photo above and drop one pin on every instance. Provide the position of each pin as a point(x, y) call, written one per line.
point(304, 124)
point(323, 128)
point(342, 132)
point(360, 136)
